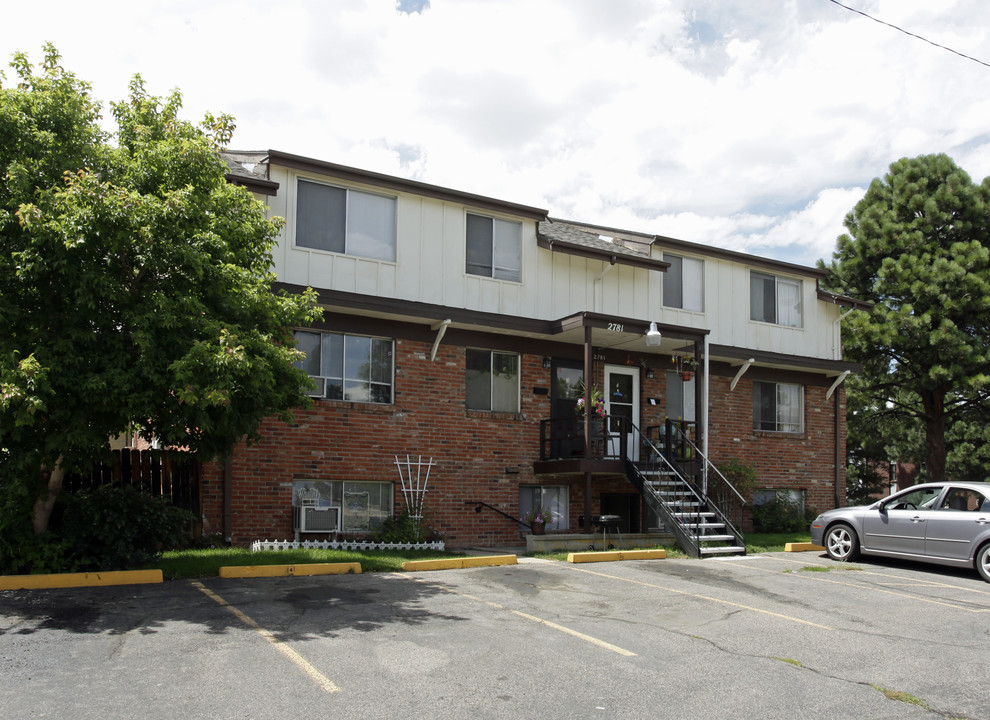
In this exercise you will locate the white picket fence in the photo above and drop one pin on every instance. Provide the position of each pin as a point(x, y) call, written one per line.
point(278, 545)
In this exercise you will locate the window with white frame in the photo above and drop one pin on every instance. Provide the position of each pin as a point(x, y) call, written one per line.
point(348, 367)
point(778, 407)
point(774, 299)
point(343, 220)
point(494, 248)
point(683, 283)
point(492, 381)
point(546, 497)
point(364, 505)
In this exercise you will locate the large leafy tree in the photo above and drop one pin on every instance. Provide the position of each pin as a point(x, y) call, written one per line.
point(918, 245)
point(135, 286)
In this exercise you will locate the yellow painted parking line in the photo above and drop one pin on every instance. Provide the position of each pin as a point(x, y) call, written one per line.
point(322, 681)
point(698, 596)
point(532, 618)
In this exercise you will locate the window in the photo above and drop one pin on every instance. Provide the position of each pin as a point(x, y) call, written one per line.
point(492, 381)
point(778, 407)
point(345, 221)
point(680, 397)
point(963, 499)
point(774, 299)
point(494, 248)
point(348, 367)
point(548, 497)
point(364, 505)
point(683, 283)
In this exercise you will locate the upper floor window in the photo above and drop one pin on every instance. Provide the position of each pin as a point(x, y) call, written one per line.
point(494, 248)
point(774, 299)
point(683, 283)
point(345, 221)
point(778, 407)
point(492, 381)
point(348, 367)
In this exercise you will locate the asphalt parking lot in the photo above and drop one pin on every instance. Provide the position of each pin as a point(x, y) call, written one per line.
point(780, 635)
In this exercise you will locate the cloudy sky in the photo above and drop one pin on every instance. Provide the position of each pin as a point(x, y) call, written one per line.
point(753, 125)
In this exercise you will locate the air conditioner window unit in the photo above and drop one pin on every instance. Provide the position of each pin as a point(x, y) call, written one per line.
point(316, 519)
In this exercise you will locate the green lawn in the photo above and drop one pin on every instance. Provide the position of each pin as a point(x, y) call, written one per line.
point(181, 564)
point(773, 542)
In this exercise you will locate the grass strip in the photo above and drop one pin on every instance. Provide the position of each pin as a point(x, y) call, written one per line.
point(189, 564)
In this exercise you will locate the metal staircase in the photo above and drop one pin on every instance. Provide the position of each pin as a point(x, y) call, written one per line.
point(693, 505)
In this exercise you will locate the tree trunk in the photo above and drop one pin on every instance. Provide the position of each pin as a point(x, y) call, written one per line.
point(934, 403)
point(47, 494)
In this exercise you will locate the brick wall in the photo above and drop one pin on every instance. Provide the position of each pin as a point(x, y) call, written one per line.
point(479, 456)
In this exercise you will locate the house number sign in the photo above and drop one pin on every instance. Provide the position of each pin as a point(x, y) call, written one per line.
point(615, 327)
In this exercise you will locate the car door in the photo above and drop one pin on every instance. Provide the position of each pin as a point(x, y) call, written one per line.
point(899, 524)
point(957, 521)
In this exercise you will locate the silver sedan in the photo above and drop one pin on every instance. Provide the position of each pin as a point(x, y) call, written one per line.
point(942, 523)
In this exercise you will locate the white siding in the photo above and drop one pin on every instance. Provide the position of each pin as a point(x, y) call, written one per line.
point(430, 268)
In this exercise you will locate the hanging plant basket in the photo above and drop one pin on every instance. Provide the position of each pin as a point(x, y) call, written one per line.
point(686, 375)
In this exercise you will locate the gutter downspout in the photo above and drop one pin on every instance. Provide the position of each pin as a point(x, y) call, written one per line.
point(839, 464)
point(588, 365)
point(228, 500)
point(703, 426)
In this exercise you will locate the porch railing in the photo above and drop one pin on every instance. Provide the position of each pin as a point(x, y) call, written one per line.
point(563, 438)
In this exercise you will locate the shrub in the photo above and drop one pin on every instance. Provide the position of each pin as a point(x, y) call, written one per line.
point(119, 528)
point(404, 529)
point(779, 515)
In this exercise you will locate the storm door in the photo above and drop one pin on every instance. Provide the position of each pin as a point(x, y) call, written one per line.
point(622, 401)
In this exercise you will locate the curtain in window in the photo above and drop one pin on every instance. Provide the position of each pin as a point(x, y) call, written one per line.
point(508, 250)
point(694, 286)
point(789, 408)
point(371, 226)
point(789, 303)
point(680, 397)
point(505, 382)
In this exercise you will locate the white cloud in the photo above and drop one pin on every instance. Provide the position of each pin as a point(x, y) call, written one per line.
point(750, 124)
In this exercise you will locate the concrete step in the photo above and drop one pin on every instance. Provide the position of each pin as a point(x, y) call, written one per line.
point(724, 550)
point(714, 538)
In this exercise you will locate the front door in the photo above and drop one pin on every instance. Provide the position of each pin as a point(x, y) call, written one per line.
point(622, 401)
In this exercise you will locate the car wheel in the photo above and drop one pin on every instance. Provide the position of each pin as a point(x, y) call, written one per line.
point(983, 561)
point(841, 543)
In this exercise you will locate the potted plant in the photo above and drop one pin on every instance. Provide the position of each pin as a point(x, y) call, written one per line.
point(686, 367)
point(537, 518)
point(597, 404)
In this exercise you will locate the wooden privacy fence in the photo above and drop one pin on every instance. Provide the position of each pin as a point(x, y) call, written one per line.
point(167, 474)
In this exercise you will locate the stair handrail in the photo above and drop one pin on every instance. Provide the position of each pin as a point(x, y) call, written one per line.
point(674, 431)
point(657, 458)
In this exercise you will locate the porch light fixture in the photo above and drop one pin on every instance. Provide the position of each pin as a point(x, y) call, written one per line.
point(653, 336)
point(546, 363)
point(649, 373)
